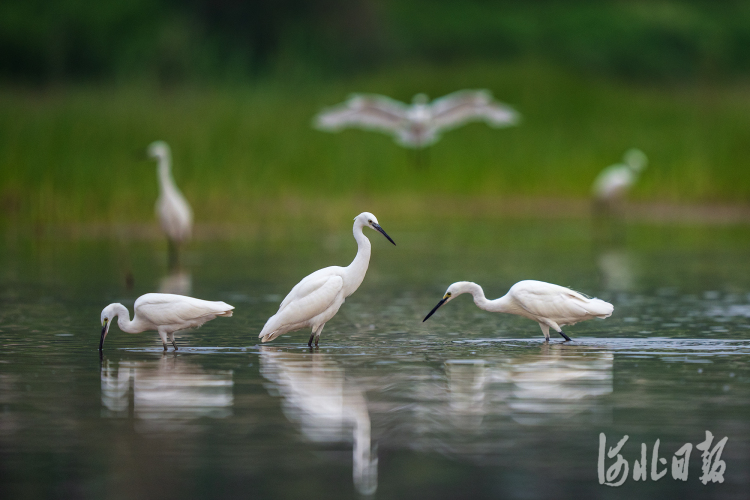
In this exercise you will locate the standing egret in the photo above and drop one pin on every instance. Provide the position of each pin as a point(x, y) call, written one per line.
point(172, 210)
point(164, 312)
point(552, 306)
point(614, 182)
point(318, 297)
point(419, 125)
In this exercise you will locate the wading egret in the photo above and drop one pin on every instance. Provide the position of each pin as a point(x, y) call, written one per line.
point(614, 182)
point(163, 312)
point(318, 297)
point(552, 306)
point(417, 125)
point(172, 210)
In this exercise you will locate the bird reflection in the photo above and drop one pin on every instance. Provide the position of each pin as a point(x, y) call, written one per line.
point(326, 405)
point(167, 395)
point(531, 389)
point(177, 282)
point(616, 270)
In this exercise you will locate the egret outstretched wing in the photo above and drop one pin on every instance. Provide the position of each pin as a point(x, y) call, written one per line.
point(168, 309)
point(368, 111)
point(460, 107)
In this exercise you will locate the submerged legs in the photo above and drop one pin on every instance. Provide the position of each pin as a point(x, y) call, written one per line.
point(171, 339)
point(315, 335)
point(545, 331)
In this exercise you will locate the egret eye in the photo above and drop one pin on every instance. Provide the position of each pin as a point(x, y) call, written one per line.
point(369, 222)
point(448, 294)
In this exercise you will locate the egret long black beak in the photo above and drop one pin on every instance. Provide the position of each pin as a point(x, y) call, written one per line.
point(442, 301)
point(105, 330)
point(380, 229)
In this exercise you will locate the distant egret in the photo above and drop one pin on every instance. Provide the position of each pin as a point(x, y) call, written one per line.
point(163, 312)
point(552, 306)
point(172, 210)
point(317, 298)
point(614, 182)
point(420, 124)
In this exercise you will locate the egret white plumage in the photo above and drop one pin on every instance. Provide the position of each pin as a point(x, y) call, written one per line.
point(172, 209)
point(417, 125)
point(552, 306)
point(317, 298)
point(164, 312)
point(614, 182)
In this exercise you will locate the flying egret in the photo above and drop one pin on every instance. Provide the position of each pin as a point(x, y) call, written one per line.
point(172, 210)
point(552, 306)
point(420, 124)
point(318, 297)
point(614, 182)
point(164, 312)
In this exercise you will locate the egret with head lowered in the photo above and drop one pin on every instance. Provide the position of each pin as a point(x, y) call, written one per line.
point(317, 298)
point(552, 306)
point(172, 209)
point(164, 312)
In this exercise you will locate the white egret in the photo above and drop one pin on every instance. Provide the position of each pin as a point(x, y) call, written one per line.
point(164, 312)
point(552, 306)
point(172, 210)
point(419, 125)
point(614, 182)
point(318, 297)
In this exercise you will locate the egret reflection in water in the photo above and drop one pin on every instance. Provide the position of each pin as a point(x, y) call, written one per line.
point(177, 282)
point(328, 407)
point(167, 395)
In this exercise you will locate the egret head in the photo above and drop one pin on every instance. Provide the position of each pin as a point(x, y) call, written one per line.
point(366, 219)
point(158, 150)
point(108, 315)
point(635, 159)
point(451, 293)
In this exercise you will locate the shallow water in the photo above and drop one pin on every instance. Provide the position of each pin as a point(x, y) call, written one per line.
point(468, 404)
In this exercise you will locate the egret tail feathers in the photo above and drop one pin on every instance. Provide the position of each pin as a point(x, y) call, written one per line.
point(600, 308)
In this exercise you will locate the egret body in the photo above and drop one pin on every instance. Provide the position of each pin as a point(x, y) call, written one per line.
point(164, 312)
point(614, 182)
point(172, 209)
point(318, 297)
point(552, 306)
point(420, 124)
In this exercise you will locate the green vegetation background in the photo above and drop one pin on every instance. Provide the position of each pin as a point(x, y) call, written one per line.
point(233, 86)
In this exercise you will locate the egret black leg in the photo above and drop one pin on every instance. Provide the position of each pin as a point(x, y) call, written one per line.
point(567, 339)
point(309, 342)
point(174, 344)
point(165, 346)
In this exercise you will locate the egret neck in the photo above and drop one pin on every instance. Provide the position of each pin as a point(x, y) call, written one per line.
point(503, 304)
point(355, 272)
point(166, 182)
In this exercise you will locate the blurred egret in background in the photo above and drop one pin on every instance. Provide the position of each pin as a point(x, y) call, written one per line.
point(163, 312)
point(420, 124)
point(172, 209)
point(613, 183)
point(318, 297)
point(552, 306)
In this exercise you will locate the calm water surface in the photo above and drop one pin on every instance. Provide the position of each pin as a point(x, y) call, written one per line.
point(469, 404)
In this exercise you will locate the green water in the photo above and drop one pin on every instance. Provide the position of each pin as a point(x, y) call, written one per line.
point(469, 404)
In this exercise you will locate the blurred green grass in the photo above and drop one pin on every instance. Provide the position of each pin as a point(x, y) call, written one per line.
point(71, 153)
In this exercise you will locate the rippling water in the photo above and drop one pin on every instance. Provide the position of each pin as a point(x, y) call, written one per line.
point(469, 404)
